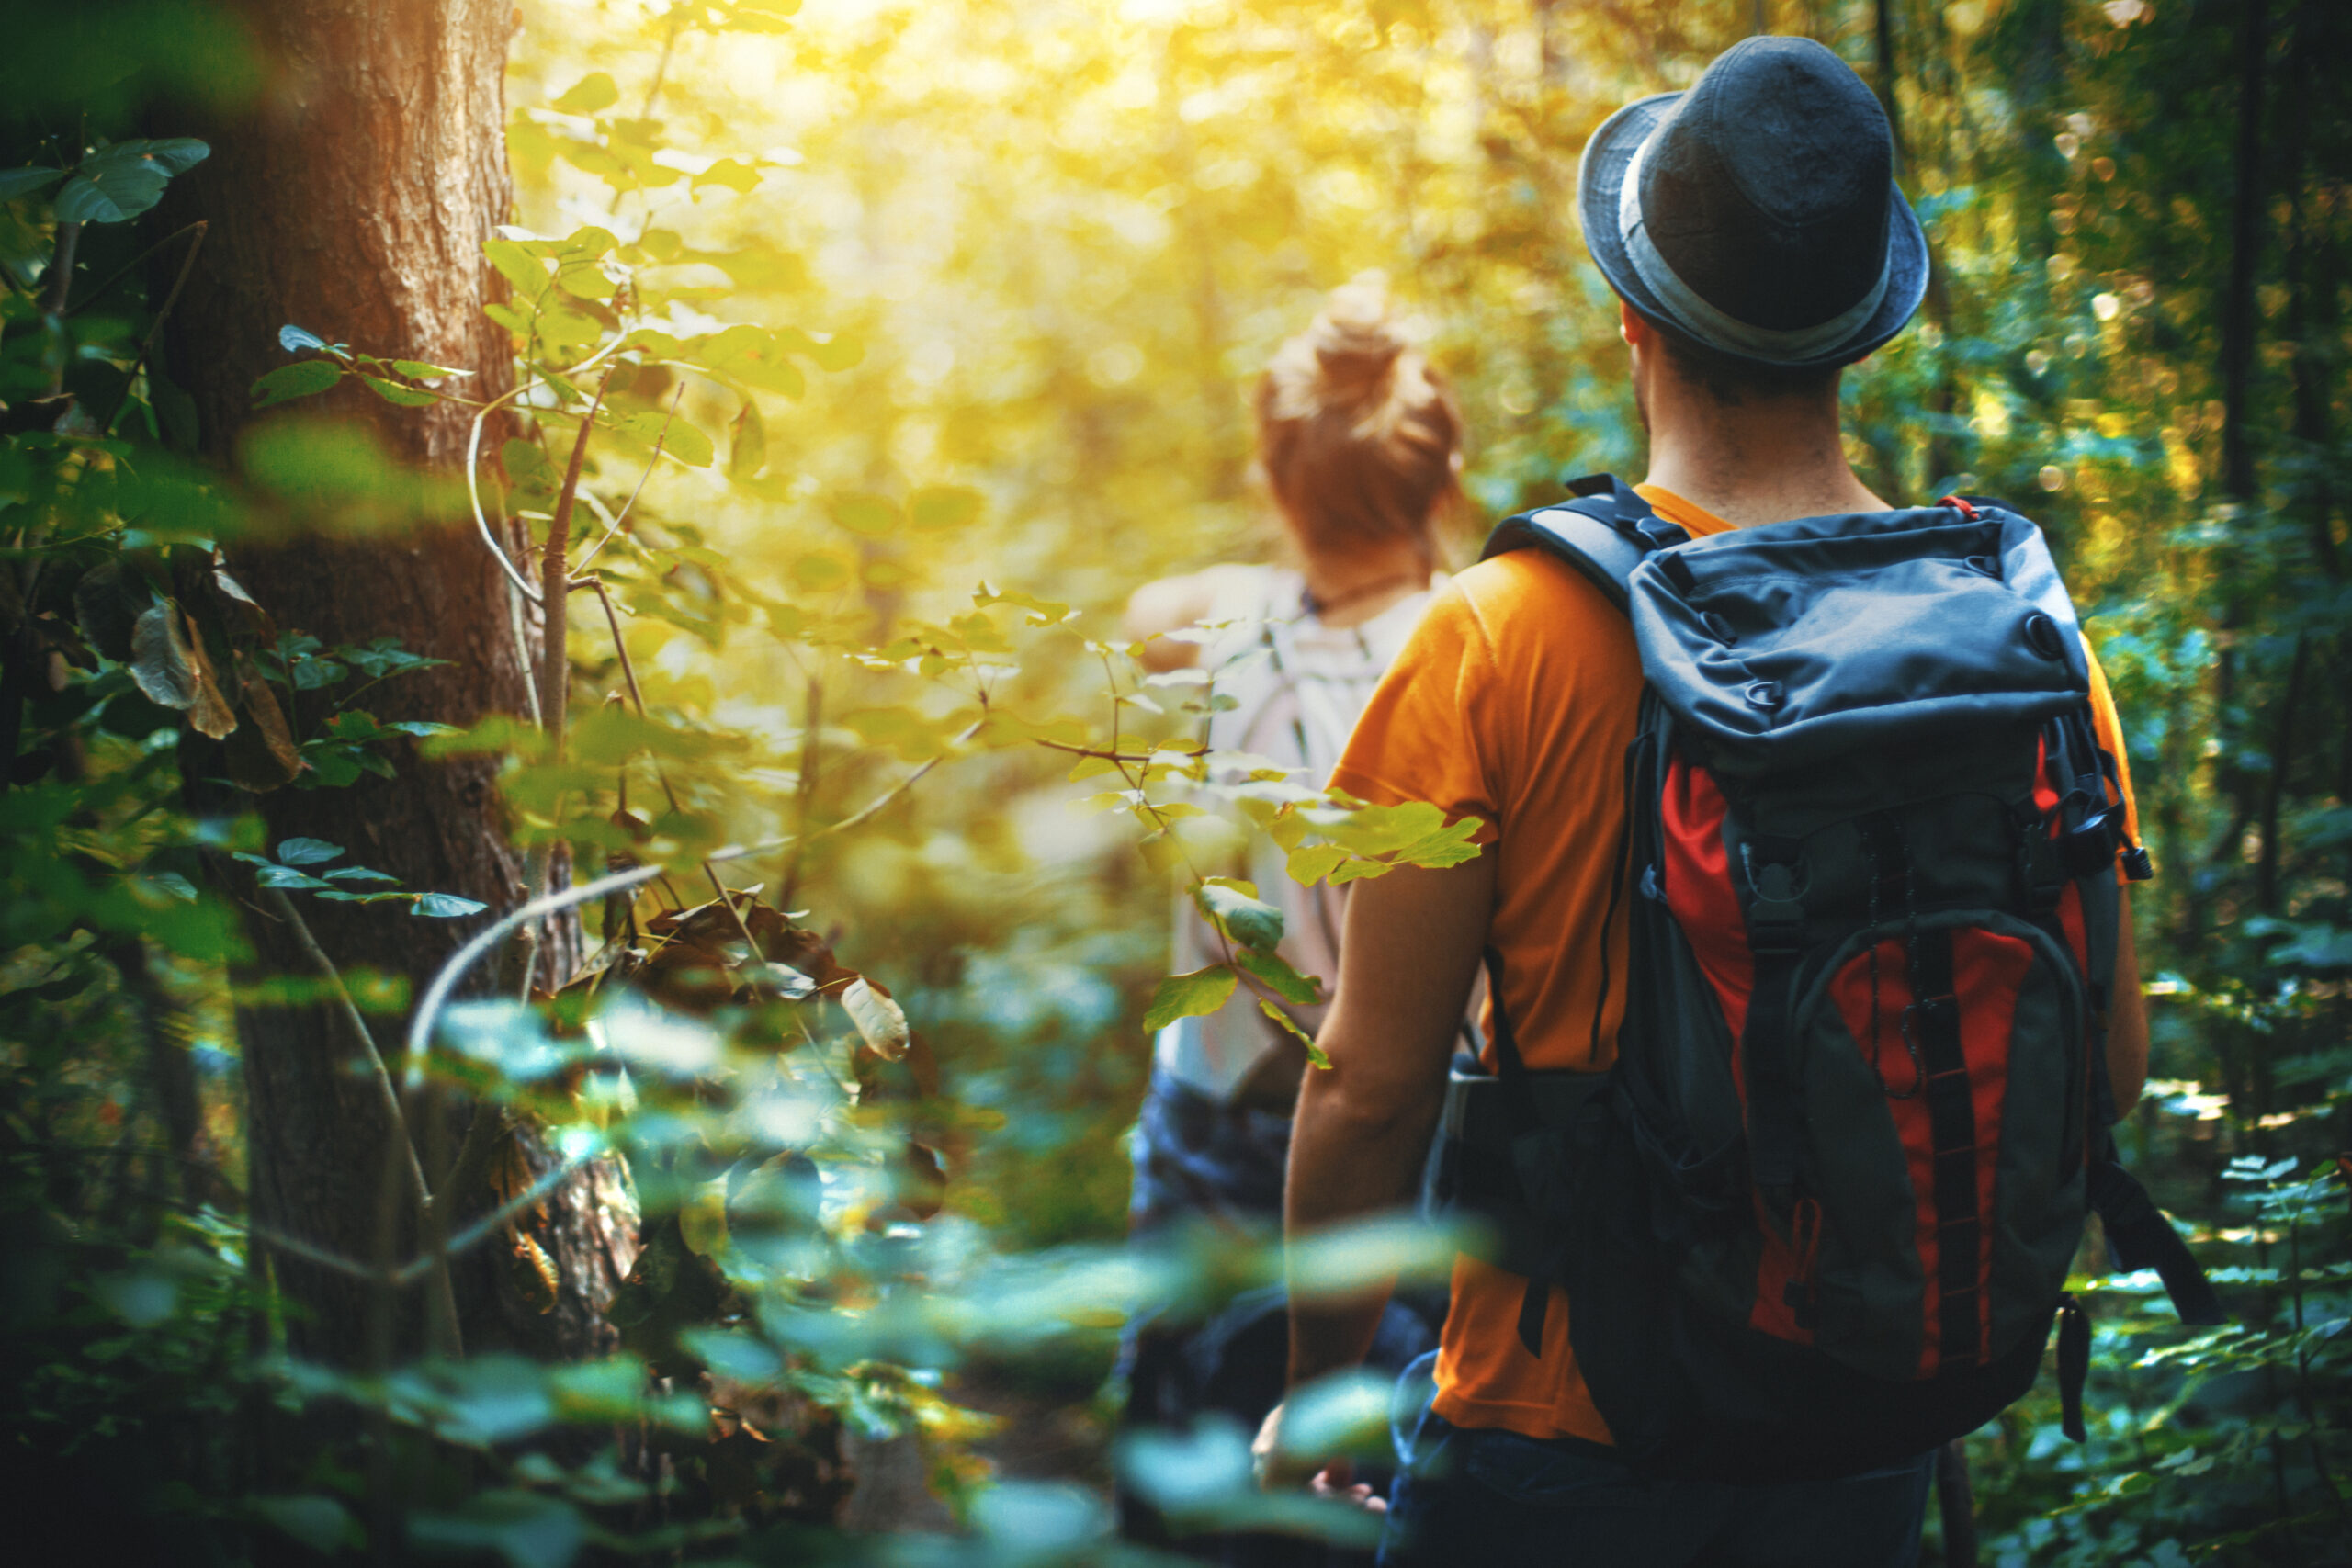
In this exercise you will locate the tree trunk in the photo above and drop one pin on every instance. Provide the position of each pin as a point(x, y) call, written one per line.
point(2239, 319)
point(352, 196)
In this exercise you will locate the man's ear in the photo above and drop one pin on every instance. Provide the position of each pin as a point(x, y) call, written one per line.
point(1631, 327)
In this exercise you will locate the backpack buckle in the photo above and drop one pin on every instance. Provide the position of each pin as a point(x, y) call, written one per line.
point(1776, 909)
point(2041, 865)
point(2091, 848)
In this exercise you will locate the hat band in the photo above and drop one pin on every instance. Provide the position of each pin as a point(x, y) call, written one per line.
point(1710, 326)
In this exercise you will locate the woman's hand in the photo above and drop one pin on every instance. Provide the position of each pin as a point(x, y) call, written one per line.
point(1334, 1478)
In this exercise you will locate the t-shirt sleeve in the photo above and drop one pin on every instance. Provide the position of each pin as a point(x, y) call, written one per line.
point(1418, 738)
point(2109, 724)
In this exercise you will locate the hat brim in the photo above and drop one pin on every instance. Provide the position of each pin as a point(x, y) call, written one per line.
point(1602, 177)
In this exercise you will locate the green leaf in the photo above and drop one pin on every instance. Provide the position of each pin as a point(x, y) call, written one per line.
point(749, 452)
point(174, 154)
point(522, 268)
point(357, 874)
point(592, 92)
point(1314, 1052)
point(173, 883)
point(14, 182)
point(287, 876)
point(393, 392)
point(1311, 866)
point(702, 1221)
point(732, 173)
point(446, 905)
point(308, 852)
point(1042, 612)
point(869, 516)
point(525, 1529)
point(936, 509)
point(1236, 906)
point(302, 379)
point(125, 180)
point(1283, 980)
point(690, 445)
point(332, 766)
point(354, 725)
point(418, 370)
point(762, 15)
point(320, 1523)
point(835, 351)
point(1187, 996)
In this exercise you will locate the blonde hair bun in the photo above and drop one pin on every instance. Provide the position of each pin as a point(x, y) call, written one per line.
point(1357, 432)
point(1344, 361)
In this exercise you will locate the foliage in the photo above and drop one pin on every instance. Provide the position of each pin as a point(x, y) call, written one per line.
point(826, 324)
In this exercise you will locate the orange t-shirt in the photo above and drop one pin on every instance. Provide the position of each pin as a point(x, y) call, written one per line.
point(1513, 702)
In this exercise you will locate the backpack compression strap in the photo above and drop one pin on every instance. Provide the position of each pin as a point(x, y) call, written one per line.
point(1605, 531)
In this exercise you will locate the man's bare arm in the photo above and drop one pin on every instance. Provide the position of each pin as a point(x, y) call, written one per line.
point(1409, 955)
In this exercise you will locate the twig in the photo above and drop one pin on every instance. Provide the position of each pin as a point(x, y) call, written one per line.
point(1176, 749)
point(61, 288)
point(555, 576)
point(155, 328)
point(437, 995)
point(627, 506)
point(812, 716)
point(637, 698)
point(94, 295)
point(881, 801)
point(473, 491)
point(473, 463)
point(442, 1308)
point(490, 1122)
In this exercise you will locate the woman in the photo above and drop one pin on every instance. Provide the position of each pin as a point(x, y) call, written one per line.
point(1360, 444)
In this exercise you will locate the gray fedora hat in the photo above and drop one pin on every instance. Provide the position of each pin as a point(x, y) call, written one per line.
point(1758, 213)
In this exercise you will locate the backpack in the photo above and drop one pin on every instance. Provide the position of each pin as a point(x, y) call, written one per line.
point(1819, 1216)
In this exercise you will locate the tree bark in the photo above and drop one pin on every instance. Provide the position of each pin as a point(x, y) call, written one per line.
point(2239, 321)
point(352, 196)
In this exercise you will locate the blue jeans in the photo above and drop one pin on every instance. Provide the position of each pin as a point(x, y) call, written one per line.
point(1494, 1499)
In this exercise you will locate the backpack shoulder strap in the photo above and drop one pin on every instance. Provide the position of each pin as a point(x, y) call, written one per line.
point(1603, 531)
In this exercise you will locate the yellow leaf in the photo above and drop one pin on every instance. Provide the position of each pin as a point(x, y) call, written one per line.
point(703, 1222)
point(1314, 1052)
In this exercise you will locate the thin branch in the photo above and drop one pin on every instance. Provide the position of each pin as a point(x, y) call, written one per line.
point(155, 328)
point(811, 719)
point(637, 697)
point(631, 505)
point(880, 802)
point(442, 1308)
point(473, 491)
point(61, 287)
point(437, 995)
point(474, 1235)
point(1118, 756)
point(555, 576)
point(94, 295)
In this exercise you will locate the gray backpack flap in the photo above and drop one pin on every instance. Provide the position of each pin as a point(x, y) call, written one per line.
point(1820, 1216)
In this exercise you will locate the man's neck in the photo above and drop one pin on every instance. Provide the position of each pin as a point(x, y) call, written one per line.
point(1759, 461)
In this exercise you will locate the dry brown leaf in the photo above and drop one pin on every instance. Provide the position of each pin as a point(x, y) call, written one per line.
point(169, 664)
point(880, 1022)
point(261, 753)
point(209, 713)
point(534, 1273)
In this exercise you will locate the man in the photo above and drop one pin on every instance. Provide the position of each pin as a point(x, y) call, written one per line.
point(1757, 244)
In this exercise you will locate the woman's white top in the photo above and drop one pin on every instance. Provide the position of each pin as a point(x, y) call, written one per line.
point(1299, 686)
